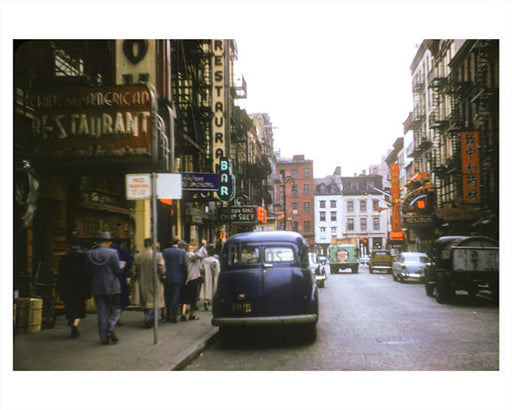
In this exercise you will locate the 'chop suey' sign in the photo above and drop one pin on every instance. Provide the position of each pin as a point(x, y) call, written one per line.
point(93, 123)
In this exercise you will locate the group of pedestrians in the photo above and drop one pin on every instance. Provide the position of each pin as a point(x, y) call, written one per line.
point(183, 272)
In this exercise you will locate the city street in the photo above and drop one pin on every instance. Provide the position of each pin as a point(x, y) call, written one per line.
point(369, 322)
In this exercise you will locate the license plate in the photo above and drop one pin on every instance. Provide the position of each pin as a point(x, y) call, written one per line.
point(241, 308)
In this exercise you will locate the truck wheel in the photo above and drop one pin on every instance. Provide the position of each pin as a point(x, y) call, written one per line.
point(355, 269)
point(371, 269)
point(444, 292)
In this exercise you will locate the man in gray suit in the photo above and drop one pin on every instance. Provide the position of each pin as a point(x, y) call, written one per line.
point(102, 264)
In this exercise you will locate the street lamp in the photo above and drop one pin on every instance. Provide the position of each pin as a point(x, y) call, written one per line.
point(284, 180)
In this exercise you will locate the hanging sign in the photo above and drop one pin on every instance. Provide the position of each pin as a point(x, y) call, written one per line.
point(470, 167)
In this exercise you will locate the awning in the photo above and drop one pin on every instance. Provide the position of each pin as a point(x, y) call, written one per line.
point(105, 207)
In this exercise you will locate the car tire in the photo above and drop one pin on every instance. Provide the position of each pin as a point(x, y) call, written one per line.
point(308, 332)
point(394, 277)
point(429, 288)
point(371, 270)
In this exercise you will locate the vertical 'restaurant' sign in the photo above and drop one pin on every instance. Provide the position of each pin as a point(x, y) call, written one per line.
point(218, 100)
point(470, 167)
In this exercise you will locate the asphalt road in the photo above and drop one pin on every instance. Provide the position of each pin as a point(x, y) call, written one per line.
point(368, 322)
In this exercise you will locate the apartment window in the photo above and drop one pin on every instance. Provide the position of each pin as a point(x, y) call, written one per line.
point(350, 206)
point(362, 205)
point(294, 173)
point(334, 230)
point(295, 226)
point(376, 224)
point(333, 216)
point(350, 224)
point(363, 224)
point(307, 226)
point(295, 205)
point(307, 206)
point(333, 204)
point(322, 204)
point(306, 188)
point(322, 216)
point(305, 172)
point(375, 204)
point(295, 191)
point(322, 233)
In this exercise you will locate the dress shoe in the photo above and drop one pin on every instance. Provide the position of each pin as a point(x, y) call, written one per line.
point(112, 337)
point(74, 331)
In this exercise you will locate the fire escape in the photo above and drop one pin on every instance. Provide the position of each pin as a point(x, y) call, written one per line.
point(418, 114)
point(437, 123)
point(191, 99)
point(485, 97)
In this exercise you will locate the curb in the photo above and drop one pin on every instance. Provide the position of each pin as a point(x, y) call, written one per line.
point(193, 351)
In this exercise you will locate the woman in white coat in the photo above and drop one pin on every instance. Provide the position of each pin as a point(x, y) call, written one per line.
point(211, 273)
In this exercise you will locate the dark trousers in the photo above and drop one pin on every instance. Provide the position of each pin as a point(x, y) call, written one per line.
point(172, 300)
point(108, 310)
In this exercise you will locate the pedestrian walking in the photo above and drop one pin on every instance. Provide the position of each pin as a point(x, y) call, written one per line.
point(211, 267)
point(102, 264)
point(144, 282)
point(191, 285)
point(125, 261)
point(74, 286)
point(176, 264)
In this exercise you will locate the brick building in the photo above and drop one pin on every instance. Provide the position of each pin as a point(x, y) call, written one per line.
point(294, 195)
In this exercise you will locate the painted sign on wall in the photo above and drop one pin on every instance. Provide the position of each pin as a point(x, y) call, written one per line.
point(93, 122)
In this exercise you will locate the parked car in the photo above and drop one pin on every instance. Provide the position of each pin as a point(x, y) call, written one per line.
point(365, 260)
point(410, 265)
point(265, 280)
point(469, 263)
point(343, 256)
point(381, 259)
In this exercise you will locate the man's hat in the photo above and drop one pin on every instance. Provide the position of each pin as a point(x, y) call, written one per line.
point(106, 236)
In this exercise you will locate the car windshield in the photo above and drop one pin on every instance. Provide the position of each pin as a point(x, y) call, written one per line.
point(278, 254)
point(416, 258)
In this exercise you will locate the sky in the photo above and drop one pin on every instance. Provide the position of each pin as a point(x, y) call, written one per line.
point(338, 100)
point(334, 78)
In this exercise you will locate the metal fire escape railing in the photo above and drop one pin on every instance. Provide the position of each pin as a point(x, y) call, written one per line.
point(485, 95)
point(418, 114)
point(191, 96)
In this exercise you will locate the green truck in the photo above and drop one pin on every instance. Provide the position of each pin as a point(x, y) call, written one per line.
point(343, 256)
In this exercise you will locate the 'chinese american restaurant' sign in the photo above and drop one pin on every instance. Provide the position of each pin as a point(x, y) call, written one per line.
point(93, 122)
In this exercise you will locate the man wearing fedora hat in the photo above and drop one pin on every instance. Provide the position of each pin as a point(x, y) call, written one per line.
point(102, 264)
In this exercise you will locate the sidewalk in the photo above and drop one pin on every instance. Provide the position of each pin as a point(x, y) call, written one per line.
point(53, 349)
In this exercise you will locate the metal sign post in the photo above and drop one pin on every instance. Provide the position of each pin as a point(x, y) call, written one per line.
point(154, 186)
point(155, 268)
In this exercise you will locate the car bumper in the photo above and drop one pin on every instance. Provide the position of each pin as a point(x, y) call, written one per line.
point(381, 267)
point(264, 320)
point(417, 276)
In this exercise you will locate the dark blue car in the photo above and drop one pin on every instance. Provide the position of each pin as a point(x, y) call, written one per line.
point(265, 280)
